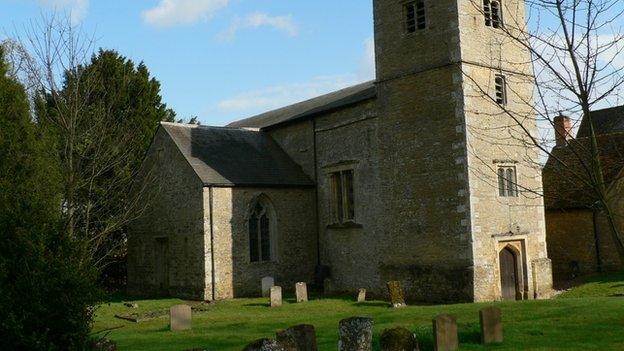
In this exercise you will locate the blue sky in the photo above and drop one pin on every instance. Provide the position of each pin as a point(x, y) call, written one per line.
point(223, 60)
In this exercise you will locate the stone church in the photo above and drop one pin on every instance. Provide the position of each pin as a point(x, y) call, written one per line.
point(391, 179)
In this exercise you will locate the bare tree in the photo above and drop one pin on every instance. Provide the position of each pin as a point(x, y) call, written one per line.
point(93, 145)
point(575, 66)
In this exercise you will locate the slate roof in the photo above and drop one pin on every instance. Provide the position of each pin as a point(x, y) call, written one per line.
point(310, 108)
point(235, 156)
point(610, 120)
point(565, 176)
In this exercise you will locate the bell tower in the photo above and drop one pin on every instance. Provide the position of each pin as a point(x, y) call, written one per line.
point(453, 81)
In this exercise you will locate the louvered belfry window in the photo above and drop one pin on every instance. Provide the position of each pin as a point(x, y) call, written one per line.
point(415, 16)
point(342, 197)
point(493, 13)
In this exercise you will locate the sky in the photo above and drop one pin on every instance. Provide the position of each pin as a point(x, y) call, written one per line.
point(223, 60)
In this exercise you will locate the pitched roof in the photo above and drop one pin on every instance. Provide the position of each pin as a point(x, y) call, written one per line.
point(566, 178)
point(235, 156)
point(610, 120)
point(312, 107)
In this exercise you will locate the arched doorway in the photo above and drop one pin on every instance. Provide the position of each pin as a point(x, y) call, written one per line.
point(508, 259)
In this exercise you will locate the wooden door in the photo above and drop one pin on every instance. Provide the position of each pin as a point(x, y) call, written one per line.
point(509, 274)
point(162, 265)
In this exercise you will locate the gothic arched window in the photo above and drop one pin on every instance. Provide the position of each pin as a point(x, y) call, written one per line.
point(260, 233)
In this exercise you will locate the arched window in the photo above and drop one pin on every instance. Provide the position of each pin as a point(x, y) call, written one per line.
point(492, 11)
point(261, 232)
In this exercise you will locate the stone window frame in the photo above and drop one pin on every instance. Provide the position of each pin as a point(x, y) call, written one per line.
point(342, 169)
point(270, 213)
point(506, 187)
point(415, 6)
point(493, 13)
point(500, 89)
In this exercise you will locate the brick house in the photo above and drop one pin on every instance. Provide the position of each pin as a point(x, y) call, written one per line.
point(385, 180)
point(579, 236)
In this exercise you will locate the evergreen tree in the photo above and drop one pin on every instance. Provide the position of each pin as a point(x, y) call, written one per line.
point(46, 299)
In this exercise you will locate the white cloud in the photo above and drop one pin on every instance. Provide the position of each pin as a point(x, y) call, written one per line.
point(77, 8)
point(259, 19)
point(256, 101)
point(182, 12)
point(276, 96)
point(367, 62)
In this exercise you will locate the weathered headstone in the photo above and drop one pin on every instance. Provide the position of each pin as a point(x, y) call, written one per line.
point(267, 284)
point(398, 339)
point(445, 333)
point(491, 325)
point(301, 290)
point(356, 334)
point(361, 295)
point(303, 337)
point(268, 345)
point(180, 317)
point(397, 298)
point(276, 296)
point(104, 345)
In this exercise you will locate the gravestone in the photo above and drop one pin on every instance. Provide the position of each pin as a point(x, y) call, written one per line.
point(301, 290)
point(356, 334)
point(445, 333)
point(397, 298)
point(491, 325)
point(267, 284)
point(269, 345)
point(398, 339)
point(276, 296)
point(180, 317)
point(303, 337)
point(361, 295)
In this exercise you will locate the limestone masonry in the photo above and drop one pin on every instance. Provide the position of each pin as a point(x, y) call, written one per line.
point(405, 178)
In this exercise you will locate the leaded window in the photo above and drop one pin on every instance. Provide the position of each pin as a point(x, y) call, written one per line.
point(342, 196)
point(507, 181)
point(260, 234)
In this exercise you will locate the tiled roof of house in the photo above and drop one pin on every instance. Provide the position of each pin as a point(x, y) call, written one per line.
point(610, 120)
point(235, 156)
point(565, 176)
point(307, 109)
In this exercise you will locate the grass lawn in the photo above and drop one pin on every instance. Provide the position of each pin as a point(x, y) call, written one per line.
point(590, 317)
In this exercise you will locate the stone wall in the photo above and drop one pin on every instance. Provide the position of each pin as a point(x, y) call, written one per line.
point(166, 243)
point(295, 240)
point(495, 137)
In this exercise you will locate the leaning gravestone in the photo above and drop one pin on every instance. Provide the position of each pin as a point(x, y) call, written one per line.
point(302, 336)
point(276, 296)
point(267, 284)
point(491, 325)
point(269, 345)
point(356, 334)
point(180, 317)
point(361, 295)
point(398, 339)
point(397, 298)
point(301, 290)
point(445, 333)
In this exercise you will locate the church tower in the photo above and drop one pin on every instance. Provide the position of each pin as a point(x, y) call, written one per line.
point(456, 173)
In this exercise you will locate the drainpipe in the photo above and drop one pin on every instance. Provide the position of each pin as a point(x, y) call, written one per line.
point(316, 189)
point(597, 241)
point(212, 254)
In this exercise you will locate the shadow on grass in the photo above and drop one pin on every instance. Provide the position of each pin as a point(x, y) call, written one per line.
point(257, 304)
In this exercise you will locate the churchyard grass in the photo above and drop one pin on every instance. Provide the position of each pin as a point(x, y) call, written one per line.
point(570, 322)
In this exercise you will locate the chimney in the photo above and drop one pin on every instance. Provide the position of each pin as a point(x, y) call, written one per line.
point(563, 130)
